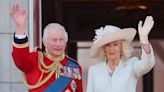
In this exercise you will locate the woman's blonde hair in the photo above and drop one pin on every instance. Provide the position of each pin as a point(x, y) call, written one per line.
point(125, 53)
point(126, 50)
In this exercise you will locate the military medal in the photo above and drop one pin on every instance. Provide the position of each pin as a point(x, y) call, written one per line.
point(70, 72)
point(73, 85)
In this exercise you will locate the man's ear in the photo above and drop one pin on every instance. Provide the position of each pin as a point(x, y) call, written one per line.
point(44, 42)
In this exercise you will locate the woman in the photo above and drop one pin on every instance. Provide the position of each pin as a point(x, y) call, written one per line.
point(118, 71)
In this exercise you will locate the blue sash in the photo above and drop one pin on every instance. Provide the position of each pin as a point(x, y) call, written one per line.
point(61, 83)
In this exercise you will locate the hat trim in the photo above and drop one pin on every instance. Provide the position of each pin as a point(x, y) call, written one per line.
point(126, 34)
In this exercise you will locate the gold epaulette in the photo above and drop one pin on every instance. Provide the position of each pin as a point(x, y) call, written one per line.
point(35, 49)
point(72, 59)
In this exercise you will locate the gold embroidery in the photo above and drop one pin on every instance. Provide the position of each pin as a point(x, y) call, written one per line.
point(20, 45)
point(51, 69)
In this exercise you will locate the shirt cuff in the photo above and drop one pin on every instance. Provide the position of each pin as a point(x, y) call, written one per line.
point(20, 39)
point(20, 36)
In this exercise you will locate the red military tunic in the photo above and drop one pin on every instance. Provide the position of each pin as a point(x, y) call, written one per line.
point(28, 63)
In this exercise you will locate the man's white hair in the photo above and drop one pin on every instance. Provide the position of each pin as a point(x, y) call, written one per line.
point(54, 26)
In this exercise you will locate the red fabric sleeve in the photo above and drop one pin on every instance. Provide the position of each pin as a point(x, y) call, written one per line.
point(80, 83)
point(24, 60)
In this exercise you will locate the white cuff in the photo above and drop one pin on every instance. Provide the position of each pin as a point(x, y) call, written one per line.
point(144, 39)
point(20, 36)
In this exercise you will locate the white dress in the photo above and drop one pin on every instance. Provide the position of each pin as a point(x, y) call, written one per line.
point(125, 76)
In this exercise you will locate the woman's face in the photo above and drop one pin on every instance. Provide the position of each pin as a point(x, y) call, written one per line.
point(113, 50)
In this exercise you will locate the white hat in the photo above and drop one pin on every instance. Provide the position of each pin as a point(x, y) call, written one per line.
point(109, 34)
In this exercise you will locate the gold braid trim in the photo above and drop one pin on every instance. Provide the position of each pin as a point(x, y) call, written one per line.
point(40, 81)
point(56, 66)
point(24, 45)
point(55, 63)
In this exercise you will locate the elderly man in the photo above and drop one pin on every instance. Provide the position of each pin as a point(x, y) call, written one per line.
point(49, 71)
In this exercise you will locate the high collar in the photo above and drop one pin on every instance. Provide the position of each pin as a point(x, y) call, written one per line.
point(54, 58)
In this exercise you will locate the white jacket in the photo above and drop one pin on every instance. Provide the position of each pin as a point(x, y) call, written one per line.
point(125, 76)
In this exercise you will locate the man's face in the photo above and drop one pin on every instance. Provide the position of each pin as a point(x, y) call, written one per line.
point(56, 42)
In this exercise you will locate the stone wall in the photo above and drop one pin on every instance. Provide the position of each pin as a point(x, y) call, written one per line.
point(10, 76)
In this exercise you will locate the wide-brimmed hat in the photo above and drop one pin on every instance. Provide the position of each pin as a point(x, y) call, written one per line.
point(109, 34)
